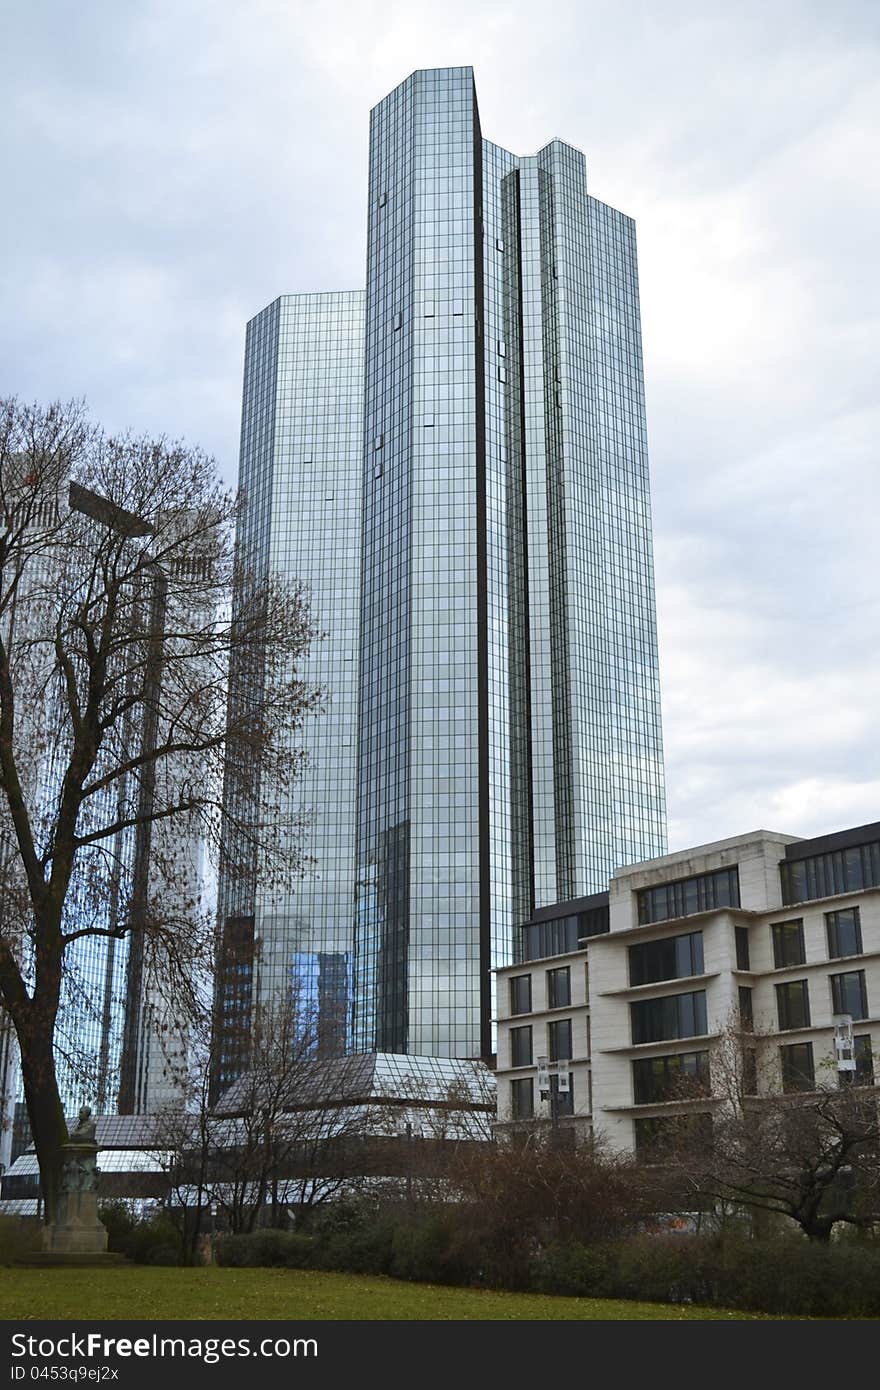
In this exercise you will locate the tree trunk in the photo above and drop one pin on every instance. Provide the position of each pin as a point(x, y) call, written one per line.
point(45, 1111)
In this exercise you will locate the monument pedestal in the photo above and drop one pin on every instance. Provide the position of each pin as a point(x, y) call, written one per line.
point(77, 1229)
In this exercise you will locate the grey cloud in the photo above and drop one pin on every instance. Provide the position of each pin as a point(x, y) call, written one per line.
point(172, 166)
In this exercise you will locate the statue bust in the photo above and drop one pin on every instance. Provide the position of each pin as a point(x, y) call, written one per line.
point(84, 1133)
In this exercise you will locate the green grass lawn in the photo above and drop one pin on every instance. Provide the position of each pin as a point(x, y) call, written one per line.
point(140, 1291)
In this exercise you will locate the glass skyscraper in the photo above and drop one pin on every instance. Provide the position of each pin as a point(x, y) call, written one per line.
point(301, 449)
point(497, 713)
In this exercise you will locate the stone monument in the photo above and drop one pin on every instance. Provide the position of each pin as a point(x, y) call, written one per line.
point(76, 1229)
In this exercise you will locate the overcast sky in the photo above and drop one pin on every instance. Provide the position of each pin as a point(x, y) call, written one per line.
point(170, 166)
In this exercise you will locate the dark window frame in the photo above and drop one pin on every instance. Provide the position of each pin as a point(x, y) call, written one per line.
point(655, 1080)
point(786, 1012)
point(654, 1016)
point(516, 980)
point(559, 1026)
point(741, 941)
point(789, 949)
point(838, 999)
point(663, 902)
point(678, 957)
point(518, 1036)
point(798, 1067)
point(833, 932)
point(555, 973)
point(520, 1087)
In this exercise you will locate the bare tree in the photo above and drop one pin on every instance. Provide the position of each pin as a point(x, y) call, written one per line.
point(810, 1152)
point(286, 1136)
point(117, 563)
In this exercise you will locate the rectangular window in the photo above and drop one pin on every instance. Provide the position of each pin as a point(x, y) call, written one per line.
point(671, 1016)
point(676, 1077)
point(559, 1040)
point(660, 1137)
point(750, 1071)
point(844, 930)
point(864, 1059)
point(562, 1099)
point(797, 1067)
point(849, 995)
point(788, 943)
point(521, 994)
point(458, 306)
point(746, 1017)
point(687, 895)
point(559, 988)
point(522, 1100)
point(521, 1047)
point(670, 959)
point(793, 1004)
point(742, 948)
point(840, 871)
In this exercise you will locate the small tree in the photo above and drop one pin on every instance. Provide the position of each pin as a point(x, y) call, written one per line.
point(810, 1154)
point(117, 564)
point(284, 1136)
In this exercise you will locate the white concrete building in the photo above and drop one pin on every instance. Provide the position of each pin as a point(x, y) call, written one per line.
point(762, 932)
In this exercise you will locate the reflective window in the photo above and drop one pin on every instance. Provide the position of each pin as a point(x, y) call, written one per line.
point(688, 895)
point(671, 1016)
point(797, 1067)
point(844, 930)
point(522, 1101)
point(668, 959)
point(793, 1004)
point(823, 875)
point(849, 994)
point(788, 943)
point(559, 988)
point(521, 994)
point(675, 1077)
point(521, 1047)
point(559, 1040)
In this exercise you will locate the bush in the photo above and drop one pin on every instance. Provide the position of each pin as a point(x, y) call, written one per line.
point(439, 1250)
point(155, 1241)
point(20, 1236)
point(788, 1276)
point(358, 1249)
point(120, 1223)
point(581, 1270)
point(278, 1249)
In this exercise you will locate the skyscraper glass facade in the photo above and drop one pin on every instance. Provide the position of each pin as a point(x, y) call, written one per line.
point(301, 448)
point(511, 752)
point(505, 706)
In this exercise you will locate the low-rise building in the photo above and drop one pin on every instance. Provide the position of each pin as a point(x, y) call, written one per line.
point(764, 938)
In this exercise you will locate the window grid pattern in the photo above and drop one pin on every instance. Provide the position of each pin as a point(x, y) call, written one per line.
point(702, 893)
point(510, 749)
point(302, 426)
point(823, 875)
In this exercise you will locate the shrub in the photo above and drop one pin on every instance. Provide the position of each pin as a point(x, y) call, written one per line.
point(20, 1236)
point(788, 1276)
point(584, 1271)
point(120, 1223)
point(155, 1241)
point(440, 1249)
point(359, 1249)
point(285, 1249)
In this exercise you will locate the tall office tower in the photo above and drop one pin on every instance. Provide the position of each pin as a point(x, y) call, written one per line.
point(301, 447)
point(510, 741)
point(493, 521)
